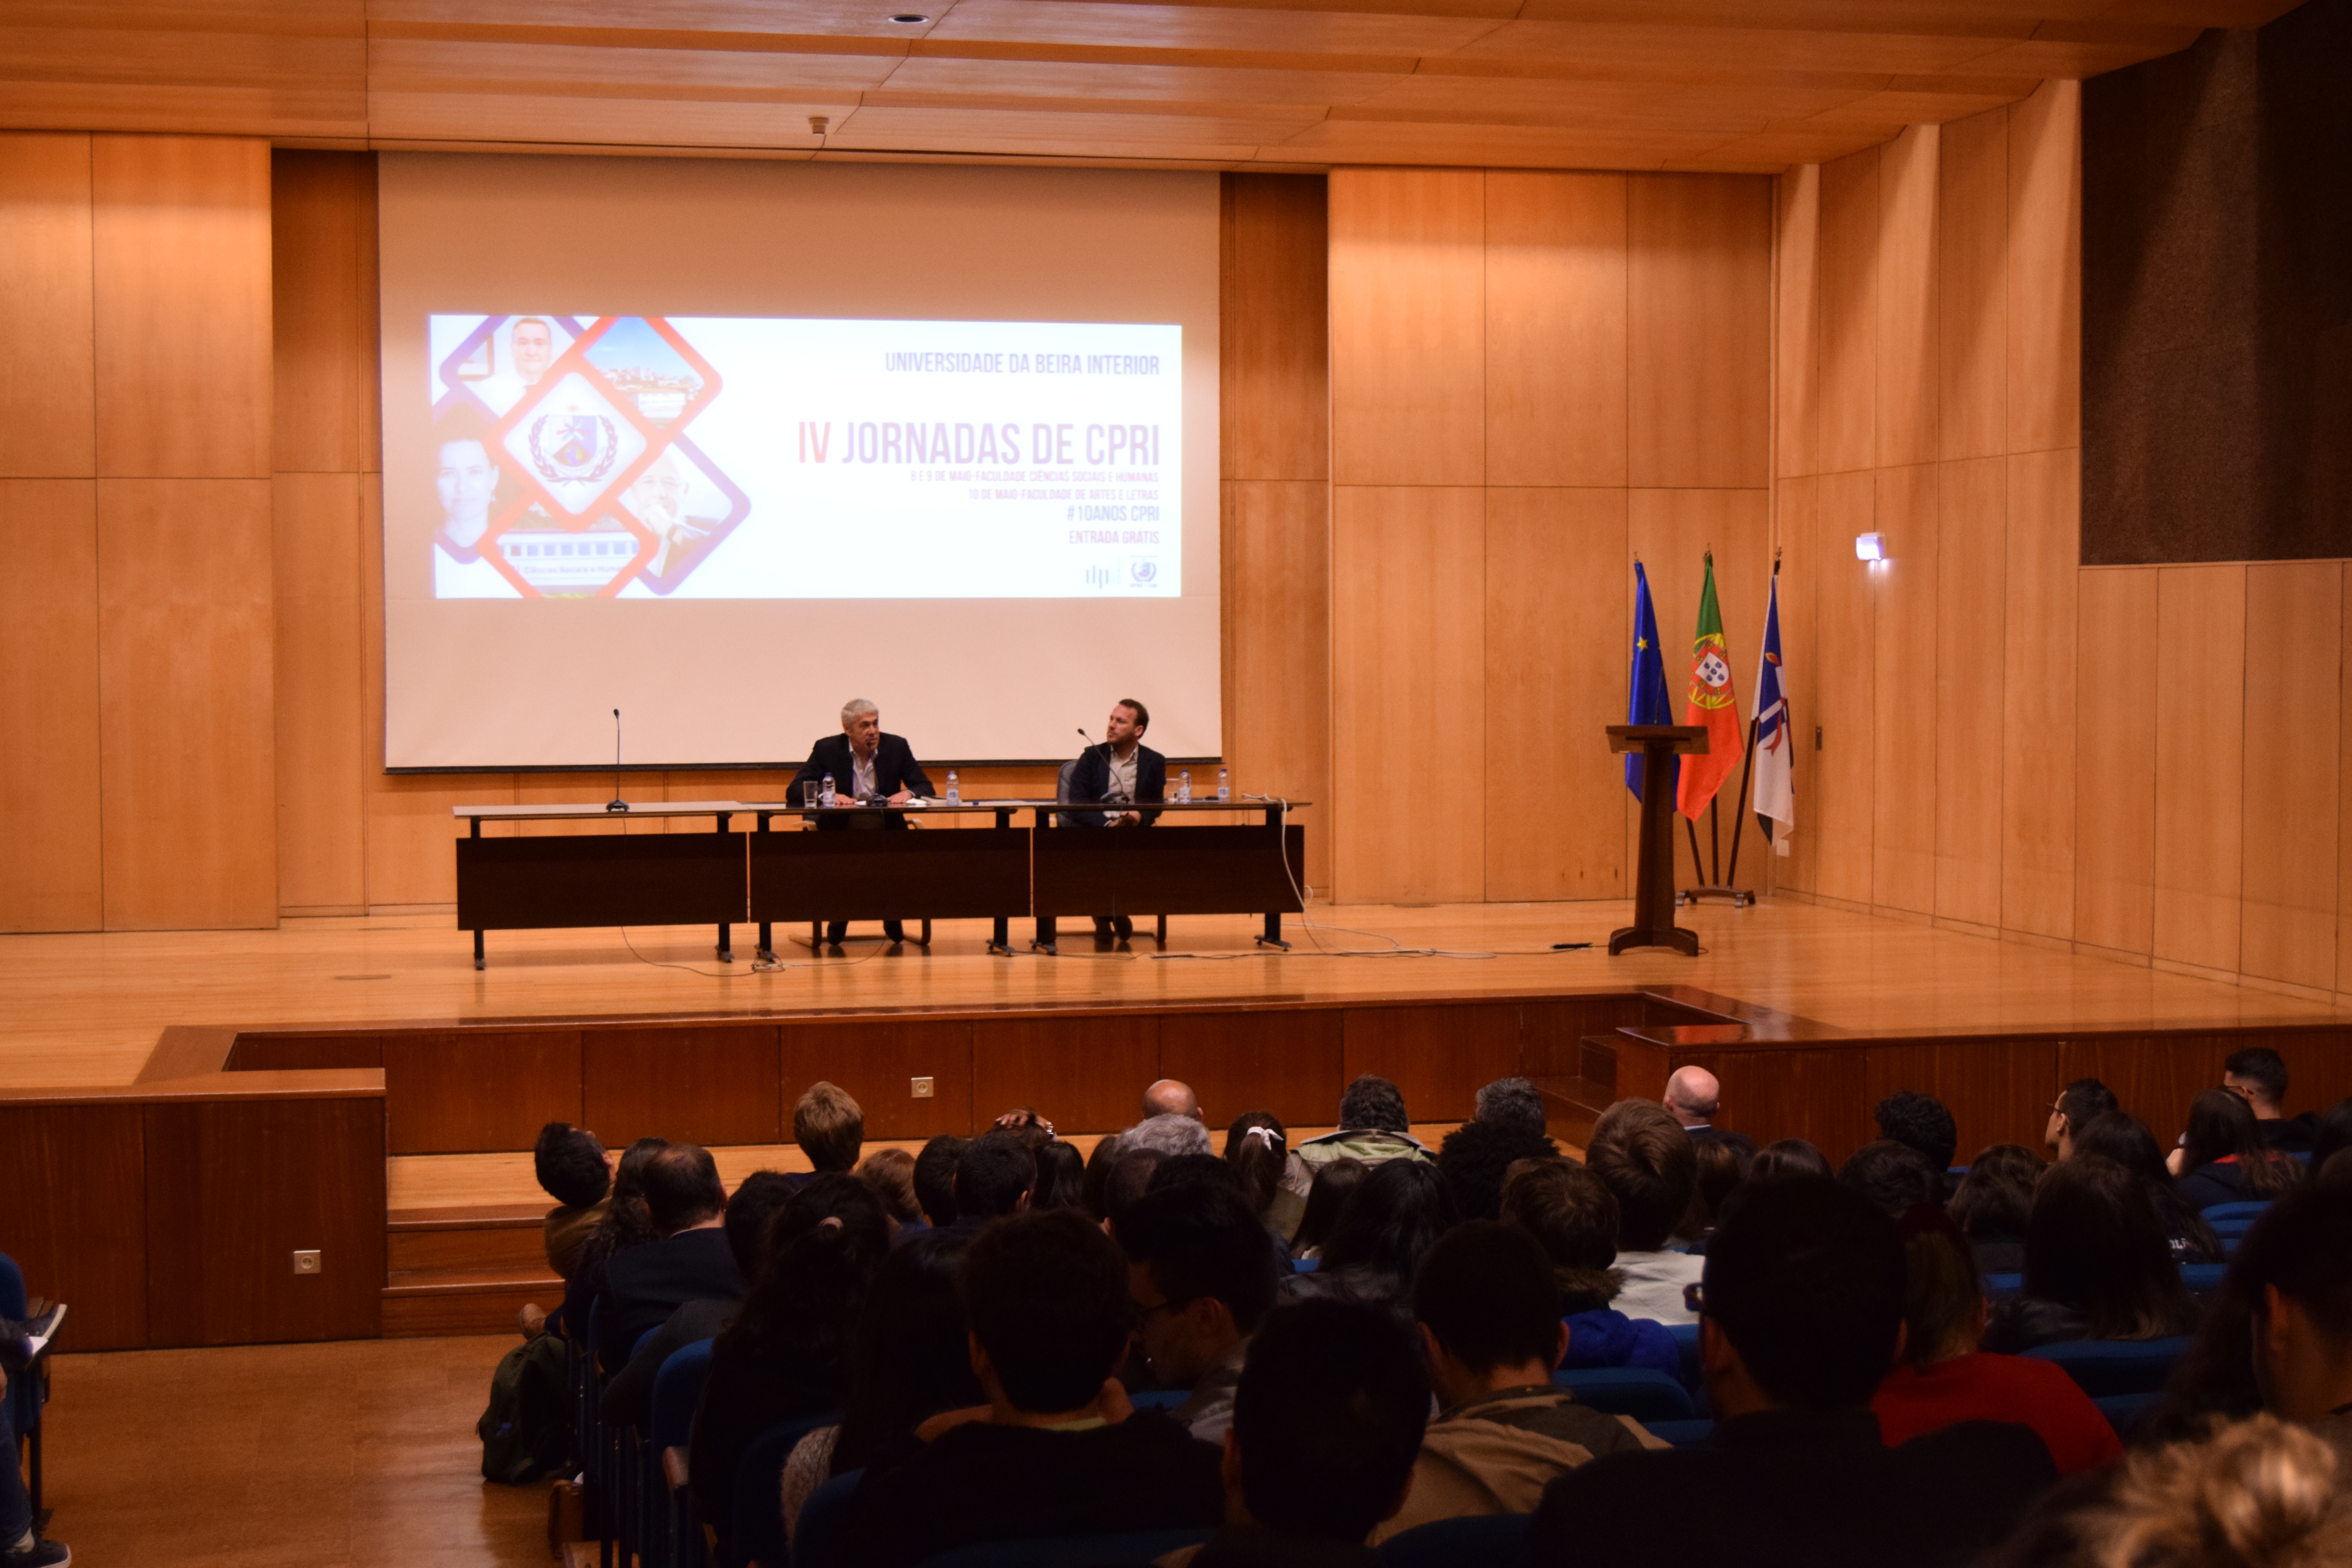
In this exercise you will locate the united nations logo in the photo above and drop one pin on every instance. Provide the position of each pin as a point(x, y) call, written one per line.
point(574, 447)
point(1144, 573)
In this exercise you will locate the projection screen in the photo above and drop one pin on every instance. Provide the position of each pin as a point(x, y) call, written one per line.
point(723, 444)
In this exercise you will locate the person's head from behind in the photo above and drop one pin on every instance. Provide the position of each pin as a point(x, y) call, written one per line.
point(1921, 1121)
point(993, 1175)
point(2331, 1135)
point(1095, 1189)
point(1194, 1170)
point(2222, 1127)
point(935, 1170)
point(1201, 1273)
point(1326, 1421)
point(1027, 1123)
point(1570, 1212)
point(751, 1208)
point(1943, 1300)
point(1489, 1308)
point(2295, 1267)
point(1997, 1194)
point(1645, 1157)
point(890, 1172)
point(1167, 1136)
point(682, 1188)
point(2120, 1136)
point(2254, 1492)
point(1046, 1297)
point(1259, 1147)
point(1722, 1163)
point(828, 1126)
point(1170, 1097)
point(1896, 1177)
point(2079, 1104)
point(1372, 1104)
point(1512, 1102)
point(626, 1220)
point(910, 1353)
point(1789, 1157)
point(1803, 1298)
point(1335, 1182)
point(2094, 1244)
point(1388, 1223)
point(822, 1249)
point(2257, 1074)
point(1130, 1178)
point(1692, 1096)
point(572, 1166)
point(1061, 1178)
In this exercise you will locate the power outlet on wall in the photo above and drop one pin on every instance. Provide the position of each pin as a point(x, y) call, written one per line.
point(306, 1260)
point(919, 1087)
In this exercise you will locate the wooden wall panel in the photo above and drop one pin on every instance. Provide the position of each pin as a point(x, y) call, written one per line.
point(232, 1188)
point(1084, 1075)
point(49, 776)
point(877, 1063)
point(1973, 250)
point(1555, 300)
point(1971, 541)
point(1998, 1091)
point(1815, 1095)
point(1437, 1056)
point(2200, 696)
point(1277, 648)
point(1556, 634)
point(77, 1186)
point(1796, 503)
point(475, 1091)
point(1909, 310)
point(1408, 316)
point(1408, 673)
point(1672, 531)
point(317, 675)
point(1285, 1063)
point(1699, 333)
point(1904, 685)
point(2115, 794)
point(2045, 268)
point(1849, 313)
point(2344, 828)
point(1796, 358)
point(1846, 707)
point(185, 710)
point(2294, 635)
point(2037, 714)
point(713, 1085)
point(181, 264)
point(323, 265)
point(47, 369)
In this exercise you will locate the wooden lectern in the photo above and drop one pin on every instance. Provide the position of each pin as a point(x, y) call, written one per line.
point(1653, 888)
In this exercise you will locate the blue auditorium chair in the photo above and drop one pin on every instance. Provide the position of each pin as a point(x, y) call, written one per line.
point(2101, 1368)
point(1069, 1551)
point(1158, 1398)
point(1634, 1391)
point(819, 1538)
point(2239, 1215)
point(2128, 1413)
point(673, 1537)
point(1442, 1543)
point(2001, 1286)
point(2203, 1279)
point(1305, 1264)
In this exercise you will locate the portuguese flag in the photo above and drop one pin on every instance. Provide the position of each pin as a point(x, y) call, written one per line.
point(1713, 704)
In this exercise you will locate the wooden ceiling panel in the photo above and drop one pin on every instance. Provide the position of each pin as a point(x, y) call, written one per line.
point(590, 18)
point(1084, 78)
point(1523, 101)
point(718, 74)
point(1218, 27)
point(1660, 52)
point(548, 121)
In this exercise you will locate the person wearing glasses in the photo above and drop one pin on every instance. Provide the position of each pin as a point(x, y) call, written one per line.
point(2078, 1105)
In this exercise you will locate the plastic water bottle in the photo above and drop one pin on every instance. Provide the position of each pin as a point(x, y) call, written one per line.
point(955, 793)
point(1225, 791)
point(1184, 785)
point(825, 791)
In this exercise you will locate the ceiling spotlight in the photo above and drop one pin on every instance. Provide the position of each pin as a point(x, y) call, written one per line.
point(818, 125)
point(1870, 547)
point(910, 17)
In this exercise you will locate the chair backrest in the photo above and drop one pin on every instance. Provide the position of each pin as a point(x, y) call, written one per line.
point(757, 1535)
point(818, 1538)
point(2203, 1279)
point(1061, 780)
point(1305, 1264)
point(2001, 1286)
point(1635, 1391)
point(2128, 1413)
point(2104, 1367)
point(1685, 1338)
point(12, 1289)
point(2219, 1214)
point(677, 1389)
point(1069, 1551)
point(1441, 1543)
point(1159, 1398)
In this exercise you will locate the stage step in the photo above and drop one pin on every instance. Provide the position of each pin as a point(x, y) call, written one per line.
point(464, 1271)
point(1574, 1101)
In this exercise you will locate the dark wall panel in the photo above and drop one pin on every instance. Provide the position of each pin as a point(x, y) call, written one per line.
point(715, 1084)
point(77, 1220)
point(472, 1090)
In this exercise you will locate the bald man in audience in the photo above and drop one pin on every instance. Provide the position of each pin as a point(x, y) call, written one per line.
point(1693, 1096)
point(1171, 1098)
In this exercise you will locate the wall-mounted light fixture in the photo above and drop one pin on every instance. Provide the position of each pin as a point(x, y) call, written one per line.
point(1870, 547)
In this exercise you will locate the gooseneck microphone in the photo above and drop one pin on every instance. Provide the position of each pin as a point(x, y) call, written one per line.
point(617, 803)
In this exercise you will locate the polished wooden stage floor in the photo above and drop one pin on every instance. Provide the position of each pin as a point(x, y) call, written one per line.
point(78, 1010)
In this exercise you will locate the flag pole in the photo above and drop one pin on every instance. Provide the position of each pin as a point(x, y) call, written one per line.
point(1748, 768)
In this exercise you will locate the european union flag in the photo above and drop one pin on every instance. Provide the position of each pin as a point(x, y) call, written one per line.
point(1648, 702)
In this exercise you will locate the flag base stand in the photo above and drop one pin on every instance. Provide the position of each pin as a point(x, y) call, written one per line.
point(1740, 898)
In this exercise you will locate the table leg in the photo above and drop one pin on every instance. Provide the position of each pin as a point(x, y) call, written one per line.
point(1272, 935)
point(816, 937)
point(1160, 932)
point(725, 943)
point(477, 950)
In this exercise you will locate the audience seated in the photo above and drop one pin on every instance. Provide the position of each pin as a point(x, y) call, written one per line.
point(1061, 1178)
point(624, 1226)
point(2120, 1136)
point(1166, 1136)
point(829, 1128)
point(1373, 1127)
point(2295, 1269)
point(1506, 1125)
point(1895, 1176)
point(1326, 1421)
point(1097, 1185)
point(1334, 1182)
point(1398, 1212)
point(1275, 1180)
point(2331, 1135)
point(1991, 1204)
point(993, 1174)
point(573, 1169)
point(1057, 1450)
point(1722, 1161)
point(2223, 1160)
point(1921, 1121)
point(2097, 1266)
point(1943, 1379)
point(2077, 1105)
point(935, 1170)
point(889, 1174)
point(1491, 1337)
point(690, 1260)
point(2258, 1075)
point(1170, 1097)
point(23, 1543)
point(1694, 1099)
point(1572, 1215)
point(1027, 1125)
point(1130, 1177)
point(1804, 1296)
point(628, 1395)
point(1203, 1278)
point(1646, 1159)
point(1789, 1157)
point(785, 1354)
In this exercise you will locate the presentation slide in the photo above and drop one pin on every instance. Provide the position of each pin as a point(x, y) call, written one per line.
point(765, 458)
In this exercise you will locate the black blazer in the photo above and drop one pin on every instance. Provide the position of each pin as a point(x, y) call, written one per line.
point(895, 769)
point(1092, 777)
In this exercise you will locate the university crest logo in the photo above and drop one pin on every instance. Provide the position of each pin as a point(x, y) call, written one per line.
point(573, 446)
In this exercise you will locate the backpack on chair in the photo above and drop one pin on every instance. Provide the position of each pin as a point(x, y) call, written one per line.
point(526, 1432)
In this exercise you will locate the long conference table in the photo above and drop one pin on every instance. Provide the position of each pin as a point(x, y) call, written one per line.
point(776, 874)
